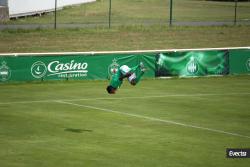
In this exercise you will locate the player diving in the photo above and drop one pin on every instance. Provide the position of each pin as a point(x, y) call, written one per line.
point(133, 75)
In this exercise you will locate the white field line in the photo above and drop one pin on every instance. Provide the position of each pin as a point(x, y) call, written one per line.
point(127, 97)
point(155, 119)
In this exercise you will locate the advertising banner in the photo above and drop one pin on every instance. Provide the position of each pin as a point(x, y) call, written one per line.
point(101, 66)
point(193, 63)
point(67, 67)
point(240, 61)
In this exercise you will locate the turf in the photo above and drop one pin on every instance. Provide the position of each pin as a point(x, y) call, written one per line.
point(123, 38)
point(129, 128)
point(127, 12)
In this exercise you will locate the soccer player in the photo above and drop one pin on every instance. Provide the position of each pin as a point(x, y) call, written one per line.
point(133, 75)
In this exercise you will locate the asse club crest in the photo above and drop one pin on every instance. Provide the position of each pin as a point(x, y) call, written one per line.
point(192, 66)
point(5, 72)
point(113, 68)
point(248, 64)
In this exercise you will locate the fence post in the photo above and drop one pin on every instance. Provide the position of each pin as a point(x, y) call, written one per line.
point(109, 13)
point(55, 13)
point(171, 13)
point(235, 12)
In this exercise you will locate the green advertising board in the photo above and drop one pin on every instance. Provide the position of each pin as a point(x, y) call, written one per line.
point(193, 63)
point(100, 66)
point(240, 61)
point(65, 67)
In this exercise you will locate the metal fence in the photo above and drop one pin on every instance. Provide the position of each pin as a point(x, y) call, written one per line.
point(112, 13)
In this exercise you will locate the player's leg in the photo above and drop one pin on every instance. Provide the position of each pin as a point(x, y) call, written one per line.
point(124, 69)
point(138, 72)
point(134, 79)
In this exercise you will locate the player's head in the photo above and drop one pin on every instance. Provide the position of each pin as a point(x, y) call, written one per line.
point(110, 89)
point(133, 82)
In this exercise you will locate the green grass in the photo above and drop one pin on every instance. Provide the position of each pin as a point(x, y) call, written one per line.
point(122, 38)
point(48, 133)
point(202, 10)
point(131, 37)
point(127, 12)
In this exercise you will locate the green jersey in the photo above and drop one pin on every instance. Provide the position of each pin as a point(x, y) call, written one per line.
point(115, 80)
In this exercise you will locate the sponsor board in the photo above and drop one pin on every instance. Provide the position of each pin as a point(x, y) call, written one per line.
point(71, 69)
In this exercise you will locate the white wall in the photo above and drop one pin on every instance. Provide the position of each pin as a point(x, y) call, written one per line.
point(62, 3)
point(26, 7)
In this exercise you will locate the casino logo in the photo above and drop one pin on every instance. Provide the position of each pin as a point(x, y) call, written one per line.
point(71, 69)
point(38, 69)
point(5, 72)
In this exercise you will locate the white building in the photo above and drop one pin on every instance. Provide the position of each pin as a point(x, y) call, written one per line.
point(19, 8)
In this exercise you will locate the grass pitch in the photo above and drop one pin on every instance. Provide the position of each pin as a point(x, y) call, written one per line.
point(134, 12)
point(173, 122)
point(122, 38)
